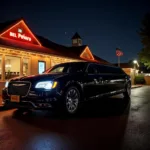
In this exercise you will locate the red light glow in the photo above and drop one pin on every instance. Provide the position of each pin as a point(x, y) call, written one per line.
point(86, 54)
point(19, 36)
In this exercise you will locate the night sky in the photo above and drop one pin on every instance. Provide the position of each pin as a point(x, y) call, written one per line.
point(102, 24)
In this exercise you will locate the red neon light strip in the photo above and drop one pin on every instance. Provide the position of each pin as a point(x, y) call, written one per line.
point(89, 52)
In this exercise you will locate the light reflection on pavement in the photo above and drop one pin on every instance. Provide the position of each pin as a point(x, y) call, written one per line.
point(108, 125)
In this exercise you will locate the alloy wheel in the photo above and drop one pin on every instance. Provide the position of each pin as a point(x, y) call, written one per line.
point(72, 100)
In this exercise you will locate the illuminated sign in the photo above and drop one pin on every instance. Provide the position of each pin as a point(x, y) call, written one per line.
point(20, 30)
point(19, 36)
point(21, 33)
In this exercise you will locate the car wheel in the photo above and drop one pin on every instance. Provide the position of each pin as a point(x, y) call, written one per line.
point(127, 92)
point(71, 100)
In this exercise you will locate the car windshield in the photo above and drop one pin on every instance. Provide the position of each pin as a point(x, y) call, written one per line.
point(58, 69)
point(67, 68)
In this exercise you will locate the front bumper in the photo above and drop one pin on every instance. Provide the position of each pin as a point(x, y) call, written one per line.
point(34, 100)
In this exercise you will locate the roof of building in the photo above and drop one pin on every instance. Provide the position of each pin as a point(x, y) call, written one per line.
point(47, 47)
point(76, 36)
point(101, 60)
point(125, 65)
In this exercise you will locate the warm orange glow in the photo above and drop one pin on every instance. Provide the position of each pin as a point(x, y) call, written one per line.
point(88, 52)
point(25, 26)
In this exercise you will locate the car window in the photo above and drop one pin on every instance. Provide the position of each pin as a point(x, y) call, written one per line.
point(77, 67)
point(104, 69)
point(110, 69)
point(120, 71)
point(116, 70)
point(93, 69)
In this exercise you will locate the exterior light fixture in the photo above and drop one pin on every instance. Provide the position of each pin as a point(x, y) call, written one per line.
point(135, 61)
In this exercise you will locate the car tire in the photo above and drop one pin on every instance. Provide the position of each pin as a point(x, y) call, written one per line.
point(127, 92)
point(71, 100)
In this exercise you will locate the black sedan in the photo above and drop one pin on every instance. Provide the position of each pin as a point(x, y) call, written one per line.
point(65, 86)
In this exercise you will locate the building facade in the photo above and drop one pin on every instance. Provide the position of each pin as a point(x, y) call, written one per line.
point(24, 53)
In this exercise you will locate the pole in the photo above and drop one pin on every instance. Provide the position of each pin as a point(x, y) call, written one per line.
point(118, 61)
point(134, 74)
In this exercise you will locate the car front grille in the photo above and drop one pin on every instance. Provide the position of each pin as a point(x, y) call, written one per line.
point(19, 88)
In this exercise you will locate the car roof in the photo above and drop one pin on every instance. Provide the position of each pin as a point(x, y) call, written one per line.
point(86, 62)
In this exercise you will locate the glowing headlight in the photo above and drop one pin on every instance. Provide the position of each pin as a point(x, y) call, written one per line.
point(6, 84)
point(46, 85)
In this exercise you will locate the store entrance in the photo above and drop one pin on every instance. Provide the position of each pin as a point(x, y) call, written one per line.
point(41, 66)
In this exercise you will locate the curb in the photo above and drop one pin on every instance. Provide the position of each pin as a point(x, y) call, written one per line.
point(136, 87)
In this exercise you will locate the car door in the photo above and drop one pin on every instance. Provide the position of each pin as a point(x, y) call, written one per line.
point(106, 78)
point(119, 78)
point(91, 81)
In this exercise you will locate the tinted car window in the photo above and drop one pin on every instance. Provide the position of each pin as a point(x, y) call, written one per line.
point(119, 71)
point(110, 69)
point(93, 69)
point(116, 70)
point(104, 69)
point(77, 67)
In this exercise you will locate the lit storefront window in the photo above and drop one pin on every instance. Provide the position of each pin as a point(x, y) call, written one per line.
point(12, 67)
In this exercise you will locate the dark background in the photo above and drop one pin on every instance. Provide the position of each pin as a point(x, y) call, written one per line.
point(103, 25)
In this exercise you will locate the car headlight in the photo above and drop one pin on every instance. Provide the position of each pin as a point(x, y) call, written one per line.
point(46, 85)
point(6, 84)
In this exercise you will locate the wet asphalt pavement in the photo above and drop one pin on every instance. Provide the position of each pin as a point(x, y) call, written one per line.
point(107, 124)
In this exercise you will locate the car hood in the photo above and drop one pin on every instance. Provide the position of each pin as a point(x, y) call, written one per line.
point(39, 77)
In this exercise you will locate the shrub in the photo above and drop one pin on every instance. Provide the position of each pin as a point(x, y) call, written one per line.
point(139, 79)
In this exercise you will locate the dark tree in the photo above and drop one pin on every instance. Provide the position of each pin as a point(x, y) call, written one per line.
point(144, 55)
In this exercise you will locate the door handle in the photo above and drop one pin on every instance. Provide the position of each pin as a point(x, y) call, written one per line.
point(100, 79)
point(95, 80)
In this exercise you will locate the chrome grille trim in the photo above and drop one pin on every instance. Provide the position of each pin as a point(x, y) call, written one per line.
point(19, 82)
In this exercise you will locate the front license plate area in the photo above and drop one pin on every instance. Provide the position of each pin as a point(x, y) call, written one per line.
point(15, 98)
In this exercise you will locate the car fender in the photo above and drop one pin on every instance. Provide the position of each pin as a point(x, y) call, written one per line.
point(77, 84)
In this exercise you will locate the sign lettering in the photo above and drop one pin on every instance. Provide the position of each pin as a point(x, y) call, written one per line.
point(19, 36)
